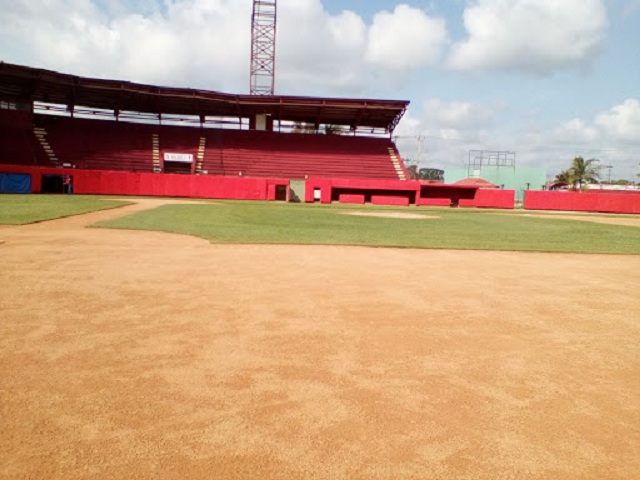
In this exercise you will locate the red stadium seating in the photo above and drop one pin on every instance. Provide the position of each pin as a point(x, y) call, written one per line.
point(99, 144)
point(16, 146)
point(265, 154)
point(17, 142)
point(109, 145)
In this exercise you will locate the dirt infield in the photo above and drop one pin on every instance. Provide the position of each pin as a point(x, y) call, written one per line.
point(137, 355)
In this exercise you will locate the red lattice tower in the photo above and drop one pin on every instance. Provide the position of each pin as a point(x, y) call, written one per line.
point(263, 47)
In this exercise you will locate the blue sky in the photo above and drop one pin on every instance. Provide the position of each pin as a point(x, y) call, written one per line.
point(547, 79)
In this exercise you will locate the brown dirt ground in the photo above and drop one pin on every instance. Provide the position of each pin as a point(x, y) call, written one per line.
point(148, 355)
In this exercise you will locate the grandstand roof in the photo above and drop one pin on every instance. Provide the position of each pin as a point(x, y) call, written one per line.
point(35, 84)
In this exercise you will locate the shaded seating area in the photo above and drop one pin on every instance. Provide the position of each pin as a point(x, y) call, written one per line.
point(299, 156)
point(110, 145)
point(98, 144)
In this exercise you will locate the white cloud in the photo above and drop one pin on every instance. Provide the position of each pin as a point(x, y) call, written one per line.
point(446, 132)
point(575, 131)
point(185, 43)
point(532, 36)
point(622, 122)
point(405, 39)
point(457, 114)
point(318, 51)
point(451, 129)
point(206, 43)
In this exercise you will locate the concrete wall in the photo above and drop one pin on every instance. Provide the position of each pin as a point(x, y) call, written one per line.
point(106, 182)
point(583, 202)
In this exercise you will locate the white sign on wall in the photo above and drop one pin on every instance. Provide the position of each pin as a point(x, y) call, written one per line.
point(178, 157)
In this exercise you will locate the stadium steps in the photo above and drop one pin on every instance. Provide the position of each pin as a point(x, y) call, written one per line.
point(41, 136)
point(155, 149)
point(396, 164)
point(200, 155)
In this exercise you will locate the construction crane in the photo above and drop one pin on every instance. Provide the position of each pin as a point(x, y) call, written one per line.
point(263, 47)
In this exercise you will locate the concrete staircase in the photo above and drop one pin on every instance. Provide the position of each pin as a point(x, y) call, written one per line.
point(41, 135)
point(397, 165)
point(155, 143)
point(200, 155)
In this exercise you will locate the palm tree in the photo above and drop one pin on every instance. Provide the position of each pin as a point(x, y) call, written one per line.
point(564, 177)
point(584, 171)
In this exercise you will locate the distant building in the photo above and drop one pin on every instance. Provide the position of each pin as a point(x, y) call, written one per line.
point(515, 178)
point(609, 187)
point(499, 168)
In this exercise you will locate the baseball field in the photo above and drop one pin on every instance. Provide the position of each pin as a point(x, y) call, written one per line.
point(174, 339)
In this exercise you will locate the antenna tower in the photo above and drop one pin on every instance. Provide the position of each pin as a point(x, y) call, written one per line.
point(263, 47)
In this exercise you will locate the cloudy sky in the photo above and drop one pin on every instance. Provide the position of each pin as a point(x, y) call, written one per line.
point(547, 79)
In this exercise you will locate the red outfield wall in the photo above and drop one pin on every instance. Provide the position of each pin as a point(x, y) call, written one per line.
point(583, 201)
point(377, 192)
point(104, 182)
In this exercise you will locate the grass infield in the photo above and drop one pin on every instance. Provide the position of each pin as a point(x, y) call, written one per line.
point(278, 223)
point(24, 209)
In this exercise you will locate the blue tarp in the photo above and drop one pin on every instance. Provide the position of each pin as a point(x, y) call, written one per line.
point(15, 183)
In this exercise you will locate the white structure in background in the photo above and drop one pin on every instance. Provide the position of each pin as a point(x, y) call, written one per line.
point(606, 186)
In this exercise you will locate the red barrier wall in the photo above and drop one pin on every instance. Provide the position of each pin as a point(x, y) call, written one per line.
point(582, 202)
point(103, 182)
point(484, 198)
point(398, 200)
point(351, 198)
point(492, 198)
point(381, 192)
point(434, 202)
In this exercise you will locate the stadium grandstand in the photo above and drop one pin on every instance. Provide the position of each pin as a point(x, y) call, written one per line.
point(56, 124)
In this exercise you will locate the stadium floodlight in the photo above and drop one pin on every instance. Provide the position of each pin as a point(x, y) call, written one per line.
point(263, 47)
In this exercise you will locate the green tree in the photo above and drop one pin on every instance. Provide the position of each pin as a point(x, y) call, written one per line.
point(584, 171)
point(434, 174)
point(565, 177)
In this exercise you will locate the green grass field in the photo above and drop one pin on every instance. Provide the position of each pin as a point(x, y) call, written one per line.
point(277, 223)
point(24, 209)
point(236, 222)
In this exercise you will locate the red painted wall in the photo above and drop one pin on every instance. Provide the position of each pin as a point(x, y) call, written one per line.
point(351, 198)
point(384, 192)
point(104, 182)
point(492, 198)
point(582, 202)
point(434, 202)
point(398, 200)
point(324, 184)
